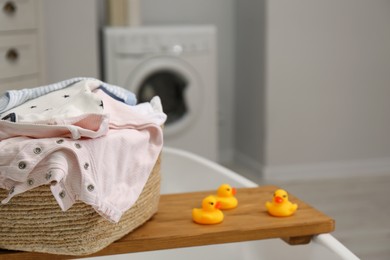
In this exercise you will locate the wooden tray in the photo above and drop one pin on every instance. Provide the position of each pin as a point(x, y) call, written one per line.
point(172, 226)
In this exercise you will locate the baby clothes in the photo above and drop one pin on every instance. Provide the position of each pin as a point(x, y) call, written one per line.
point(122, 116)
point(88, 125)
point(71, 112)
point(14, 98)
point(107, 171)
point(73, 101)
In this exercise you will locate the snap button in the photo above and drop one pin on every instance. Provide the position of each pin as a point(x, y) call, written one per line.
point(37, 150)
point(60, 141)
point(91, 187)
point(62, 194)
point(30, 182)
point(22, 165)
point(48, 176)
point(86, 166)
point(78, 146)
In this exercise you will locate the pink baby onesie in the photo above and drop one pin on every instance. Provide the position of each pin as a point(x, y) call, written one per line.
point(87, 125)
point(107, 173)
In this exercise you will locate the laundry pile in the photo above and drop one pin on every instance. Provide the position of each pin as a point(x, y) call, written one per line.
point(87, 139)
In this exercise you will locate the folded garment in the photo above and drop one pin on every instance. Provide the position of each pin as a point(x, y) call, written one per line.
point(107, 173)
point(73, 101)
point(87, 126)
point(81, 113)
point(14, 98)
point(122, 116)
point(88, 146)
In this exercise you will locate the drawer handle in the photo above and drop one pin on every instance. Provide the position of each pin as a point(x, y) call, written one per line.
point(9, 8)
point(12, 55)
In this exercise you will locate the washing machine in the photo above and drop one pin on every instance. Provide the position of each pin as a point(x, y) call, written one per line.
point(178, 64)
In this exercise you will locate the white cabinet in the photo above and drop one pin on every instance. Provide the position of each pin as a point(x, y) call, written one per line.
point(20, 44)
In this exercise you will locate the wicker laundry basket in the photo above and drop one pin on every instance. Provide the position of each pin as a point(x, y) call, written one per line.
point(33, 221)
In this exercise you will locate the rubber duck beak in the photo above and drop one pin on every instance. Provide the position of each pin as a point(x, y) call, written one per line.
point(234, 191)
point(278, 199)
point(218, 205)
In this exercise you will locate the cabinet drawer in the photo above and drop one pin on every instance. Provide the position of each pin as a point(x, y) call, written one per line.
point(18, 55)
point(17, 15)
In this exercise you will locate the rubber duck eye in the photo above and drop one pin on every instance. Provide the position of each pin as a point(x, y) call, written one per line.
point(284, 196)
point(211, 203)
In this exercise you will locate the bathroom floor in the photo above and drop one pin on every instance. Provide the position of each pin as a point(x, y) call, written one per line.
point(360, 206)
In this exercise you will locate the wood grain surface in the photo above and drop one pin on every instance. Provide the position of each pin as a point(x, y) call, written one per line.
point(172, 226)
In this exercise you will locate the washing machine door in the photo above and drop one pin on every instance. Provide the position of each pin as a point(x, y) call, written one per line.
point(176, 83)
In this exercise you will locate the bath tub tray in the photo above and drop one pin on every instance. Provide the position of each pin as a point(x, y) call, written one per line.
point(172, 226)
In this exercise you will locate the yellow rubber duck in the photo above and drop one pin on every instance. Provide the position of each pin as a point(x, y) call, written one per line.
point(280, 205)
point(209, 213)
point(225, 195)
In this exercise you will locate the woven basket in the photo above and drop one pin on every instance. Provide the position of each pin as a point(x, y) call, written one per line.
point(33, 221)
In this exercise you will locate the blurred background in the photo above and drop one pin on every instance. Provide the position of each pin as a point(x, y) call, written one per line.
point(288, 92)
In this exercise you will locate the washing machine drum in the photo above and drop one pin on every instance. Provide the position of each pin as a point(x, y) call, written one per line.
point(170, 87)
point(177, 84)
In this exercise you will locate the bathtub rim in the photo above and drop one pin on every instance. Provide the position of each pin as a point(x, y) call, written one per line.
point(325, 240)
point(210, 164)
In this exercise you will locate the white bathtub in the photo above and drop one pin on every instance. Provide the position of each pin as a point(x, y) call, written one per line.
point(184, 172)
